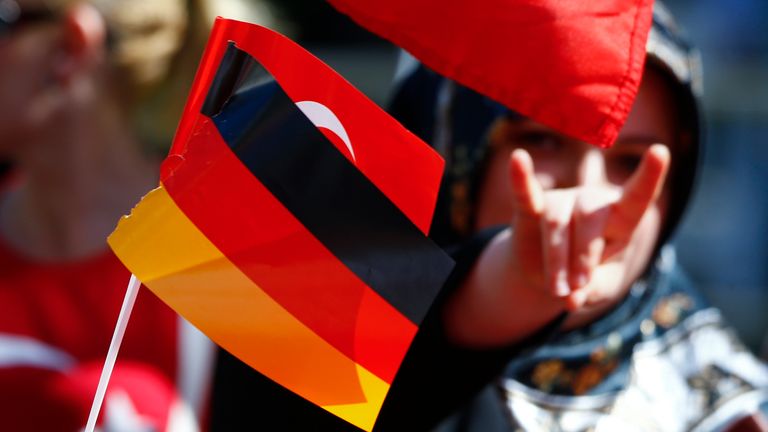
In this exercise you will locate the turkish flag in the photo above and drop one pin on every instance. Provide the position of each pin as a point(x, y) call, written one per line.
point(574, 65)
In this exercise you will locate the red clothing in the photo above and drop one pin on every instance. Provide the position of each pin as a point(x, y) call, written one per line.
point(74, 307)
point(56, 323)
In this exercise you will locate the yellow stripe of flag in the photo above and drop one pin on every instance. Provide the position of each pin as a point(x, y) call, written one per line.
point(167, 252)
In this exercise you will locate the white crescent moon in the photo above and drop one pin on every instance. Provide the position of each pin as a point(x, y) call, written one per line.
point(322, 116)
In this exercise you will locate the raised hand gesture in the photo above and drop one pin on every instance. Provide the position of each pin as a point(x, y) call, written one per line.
point(569, 249)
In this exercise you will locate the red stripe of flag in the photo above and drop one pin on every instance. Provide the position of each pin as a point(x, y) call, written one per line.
point(253, 229)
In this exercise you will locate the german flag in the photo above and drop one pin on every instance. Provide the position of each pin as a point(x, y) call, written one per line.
point(290, 224)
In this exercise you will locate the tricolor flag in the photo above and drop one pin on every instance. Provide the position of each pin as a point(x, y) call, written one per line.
point(573, 65)
point(290, 224)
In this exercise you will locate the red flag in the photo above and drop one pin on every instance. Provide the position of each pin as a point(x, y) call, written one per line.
point(574, 65)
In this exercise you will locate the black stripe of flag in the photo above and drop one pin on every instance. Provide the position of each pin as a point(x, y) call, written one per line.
point(324, 190)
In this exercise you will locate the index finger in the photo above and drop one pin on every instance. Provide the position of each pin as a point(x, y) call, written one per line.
point(527, 193)
point(640, 192)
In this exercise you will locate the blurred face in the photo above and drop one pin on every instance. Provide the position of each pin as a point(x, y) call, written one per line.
point(564, 163)
point(27, 41)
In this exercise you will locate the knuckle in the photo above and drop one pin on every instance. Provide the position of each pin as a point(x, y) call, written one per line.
point(595, 248)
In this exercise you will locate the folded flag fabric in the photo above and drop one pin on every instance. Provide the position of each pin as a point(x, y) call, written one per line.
point(572, 65)
point(290, 224)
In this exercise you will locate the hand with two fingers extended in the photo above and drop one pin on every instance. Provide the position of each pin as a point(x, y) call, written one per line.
point(567, 249)
point(563, 236)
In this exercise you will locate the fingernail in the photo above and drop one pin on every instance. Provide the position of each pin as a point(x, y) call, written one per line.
point(562, 288)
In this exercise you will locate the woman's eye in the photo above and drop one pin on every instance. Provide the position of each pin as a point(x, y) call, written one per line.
point(539, 140)
point(627, 163)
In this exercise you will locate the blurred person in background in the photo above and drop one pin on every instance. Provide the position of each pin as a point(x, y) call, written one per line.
point(73, 78)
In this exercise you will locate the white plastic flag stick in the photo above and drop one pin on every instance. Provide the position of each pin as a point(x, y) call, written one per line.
point(114, 347)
